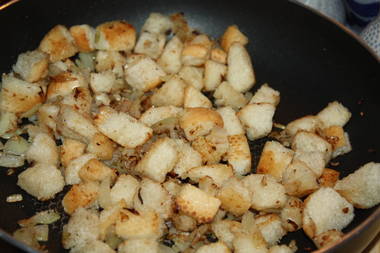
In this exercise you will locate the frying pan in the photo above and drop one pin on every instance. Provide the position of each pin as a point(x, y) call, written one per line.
point(311, 60)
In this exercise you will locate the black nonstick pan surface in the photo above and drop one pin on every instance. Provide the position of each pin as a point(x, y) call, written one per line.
point(309, 59)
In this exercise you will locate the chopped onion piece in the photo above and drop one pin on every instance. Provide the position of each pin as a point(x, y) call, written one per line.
point(16, 146)
point(14, 198)
point(41, 232)
point(11, 161)
point(44, 217)
point(27, 236)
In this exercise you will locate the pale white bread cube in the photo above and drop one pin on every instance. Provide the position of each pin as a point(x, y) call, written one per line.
point(71, 172)
point(226, 95)
point(339, 140)
point(196, 52)
point(225, 230)
point(58, 44)
point(328, 238)
point(219, 173)
point(362, 187)
point(274, 159)
point(170, 93)
point(125, 188)
point(150, 44)
point(80, 99)
point(173, 186)
point(239, 154)
point(231, 121)
point(270, 227)
point(192, 76)
point(328, 178)
point(334, 114)
point(310, 142)
point(8, 123)
point(95, 170)
point(157, 23)
point(64, 83)
point(32, 65)
point(43, 150)
point(299, 180)
point(257, 119)
point(309, 123)
point(102, 99)
point(84, 37)
point(336, 213)
point(80, 195)
point(70, 150)
point(47, 116)
point(207, 185)
point(102, 81)
point(42, 181)
point(216, 247)
point(214, 72)
point(146, 225)
point(315, 160)
point(94, 246)
point(235, 198)
point(108, 217)
point(156, 114)
point(282, 249)
point(187, 158)
point(81, 228)
point(184, 223)
point(291, 214)
point(240, 72)
point(266, 192)
point(266, 94)
point(231, 35)
point(110, 60)
point(199, 122)
point(218, 55)
point(101, 146)
point(194, 98)
point(248, 243)
point(144, 74)
point(170, 59)
point(18, 96)
point(197, 204)
point(115, 36)
point(138, 245)
point(159, 160)
point(122, 128)
point(152, 196)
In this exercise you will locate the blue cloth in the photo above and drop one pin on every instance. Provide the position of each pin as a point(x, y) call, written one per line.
point(361, 12)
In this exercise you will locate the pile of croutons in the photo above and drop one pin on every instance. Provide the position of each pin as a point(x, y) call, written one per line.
point(154, 164)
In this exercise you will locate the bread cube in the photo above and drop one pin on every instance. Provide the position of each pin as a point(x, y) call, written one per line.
point(80, 99)
point(225, 230)
point(231, 121)
point(362, 187)
point(110, 60)
point(58, 44)
point(219, 173)
point(196, 52)
point(194, 98)
point(315, 160)
point(138, 245)
point(72, 170)
point(64, 83)
point(84, 36)
point(266, 94)
point(8, 122)
point(336, 213)
point(95, 170)
point(192, 76)
point(282, 249)
point(102, 82)
point(328, 178)
point(266, 192)
point(32, 65)
point(101, 146)
point(108, 217)
point(226, 95)
point(47, 116)
point(150, 44)
point(334, 114)
point(328, 238)
point(170, 59)
point(125, 188)
point(43, 150)
point(80, 195)
point(184, 223)
point(291, 214)
point(187, 158)
point(257, 119)
point(144, 74)
point(219, 247)
point(274, 159)
point(42, 181)
point(218, 55)
point(214, 71)
point(197, 204)
point(173, 186)
point(247, 243)
point(270, 227)
point(95, 246)
point(232, 35)
point(70, 150)
point(157, 23)
point(170, 93)
point(156, 114)
point(122, 128)
point(339, 140)
point(239, 154)
point(310, 142)
point(115, 36)
point(308, 123)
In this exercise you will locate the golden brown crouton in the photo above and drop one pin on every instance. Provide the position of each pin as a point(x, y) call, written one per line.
point(231, 35)
point(310, 142)
point(328, 238)
point(58, 44)
point(291, 214)
point(196, 52)
point(214, 72)
point(218, 247)
point(80, 99)
point(72, 170)
point(219, 173)
point(156, 114)
point(184, 223)
point(110, 60)
point(239, 154)
point(170, 59)
point(64, 83)
point(84, 36)
point(70, 150)
point(339, 140)
point(226, 95)
point(235, 197)
point(80, 195)
point(115, 36)
point(194, 98)
point(101, 146)
point(218, 55)
point(328, 178)
point(32, 66)
point(125, 189)
point(94, 170)
point(170, 93)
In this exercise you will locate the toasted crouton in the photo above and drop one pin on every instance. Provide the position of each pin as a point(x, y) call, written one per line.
point(150, 44)
point(187, 158)
point(214, 72)
point(172, 186)
point(328, 238)
point(138, 245)
point(291, 214)
point(239, 154)
point(207, 185)
point(80, 100)
point(314, 160)
point(197, 204)
point(196, 52)
point(257, 119)
point(70, 150)
point(336, 213)
point(144, 74)
point(282, 249)
point(235, 197)
point(184, 223)
point(274, 159)
point(310, 142)
point(218, 247)
point(194, 98)
point(231, 121)
point(94, 246)
point(170, 93)
point(270, 227)
point(219, 173)
point(328, 178)
point(170, 59)
point(226, 95)
point(74, 166)
point(266, 94)
point(43, 150)
point(64, 83)
point(156, 114)
point(339, 140)
point(95, 170)
point(81, 228)
point(299, 180)
point(84, 36)
point(80, 195)
point(308, 123)
point(265, 191)
point(58, 44)
point(115, 36)
point(232, 35)
point(248, 243)
point(218, 55)
point(334, 114)
point(122, 128)
point(42, 181)
point(101, 146)
point(362, 187)
point(32, 66)
point(102, 82)
point(108, 217)
point(192, 76)
point(199, 122)
point(157, 23)
point(240, 72)
point(224, 230)
point(8, 122)
point(125, 188)
point(110, 60)
point(18, 96)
